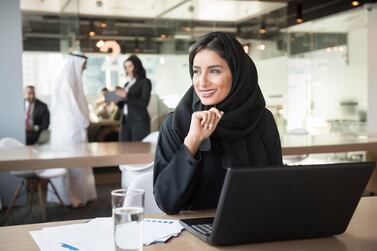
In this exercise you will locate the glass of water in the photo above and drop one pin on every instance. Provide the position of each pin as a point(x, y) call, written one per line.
point(128, 214)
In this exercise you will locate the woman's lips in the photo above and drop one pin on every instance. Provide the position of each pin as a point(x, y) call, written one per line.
point(207, 93)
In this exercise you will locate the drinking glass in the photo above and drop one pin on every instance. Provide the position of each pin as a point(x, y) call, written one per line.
point(128, 214)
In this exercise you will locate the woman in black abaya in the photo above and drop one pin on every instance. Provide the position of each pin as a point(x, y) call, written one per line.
point(220, 122)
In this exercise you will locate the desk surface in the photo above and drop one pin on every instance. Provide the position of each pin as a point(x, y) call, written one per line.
point(360, 235)
point(84, 155)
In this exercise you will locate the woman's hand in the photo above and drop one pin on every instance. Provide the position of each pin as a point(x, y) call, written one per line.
point(121, 93)
point(203, 124)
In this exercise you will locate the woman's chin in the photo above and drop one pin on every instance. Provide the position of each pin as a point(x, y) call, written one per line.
point(208, 102)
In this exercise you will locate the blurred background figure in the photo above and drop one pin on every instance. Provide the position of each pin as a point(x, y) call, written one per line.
point(135, 119)
point(106, 110)
point(70, 118)
point(37, 116)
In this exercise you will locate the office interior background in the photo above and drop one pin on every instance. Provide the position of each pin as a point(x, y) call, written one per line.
point(315, 59)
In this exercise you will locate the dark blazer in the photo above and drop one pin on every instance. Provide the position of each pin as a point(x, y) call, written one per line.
point(137, 100)
point(41, 115)
point(41, 118)
point(182, 182)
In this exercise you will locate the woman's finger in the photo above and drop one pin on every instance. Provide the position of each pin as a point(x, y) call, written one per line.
point(203, 118)
point(218, 113)
point(211, 122)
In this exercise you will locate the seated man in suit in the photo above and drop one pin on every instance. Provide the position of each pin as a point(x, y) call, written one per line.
point(37, 116)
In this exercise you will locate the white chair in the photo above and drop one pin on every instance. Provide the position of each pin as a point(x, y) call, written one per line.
point(131, 171)
point(33, 181)
point(145, 182)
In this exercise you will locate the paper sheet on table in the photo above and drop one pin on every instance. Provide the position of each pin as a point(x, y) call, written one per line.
point(98, 234)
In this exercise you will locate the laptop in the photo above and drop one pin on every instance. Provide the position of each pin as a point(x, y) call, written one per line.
point(283, 203)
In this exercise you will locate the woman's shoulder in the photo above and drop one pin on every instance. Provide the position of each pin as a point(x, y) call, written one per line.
point(167, 124)
point(266, 123)
point(143, 80)
point(167, 131)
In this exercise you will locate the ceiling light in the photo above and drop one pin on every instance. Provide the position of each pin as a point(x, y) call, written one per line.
point(92, 31)
point(137, 48)
point(163, 36)
point(299, 17)
point(99, 3)
point(262, 29)
point(103, 24)
point(100, 43)
point(261, 47)
point(355, 3)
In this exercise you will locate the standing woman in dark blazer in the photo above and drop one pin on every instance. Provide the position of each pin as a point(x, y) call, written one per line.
point(220, 122)
point(135, 120)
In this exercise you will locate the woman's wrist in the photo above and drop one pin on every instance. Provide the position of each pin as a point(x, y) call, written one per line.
point(192, 143)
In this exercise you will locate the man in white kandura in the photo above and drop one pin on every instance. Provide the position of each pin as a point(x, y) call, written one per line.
point(70, 118)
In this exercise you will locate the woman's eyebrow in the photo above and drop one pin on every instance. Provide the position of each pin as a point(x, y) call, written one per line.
point(215, 66)
point(209, 67)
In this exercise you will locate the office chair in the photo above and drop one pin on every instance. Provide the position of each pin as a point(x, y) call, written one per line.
point(145, 182)
point(131, 171)
point(33, 181)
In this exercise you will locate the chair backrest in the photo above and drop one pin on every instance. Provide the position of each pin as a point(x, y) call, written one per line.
point(8, 142)
point(145, 182)
point(152, 137)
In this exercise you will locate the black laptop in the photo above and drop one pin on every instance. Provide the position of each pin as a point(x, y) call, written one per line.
point(282, 203)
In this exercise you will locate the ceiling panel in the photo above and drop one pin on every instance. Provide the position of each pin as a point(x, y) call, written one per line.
point(201, 10)
point(222, 10)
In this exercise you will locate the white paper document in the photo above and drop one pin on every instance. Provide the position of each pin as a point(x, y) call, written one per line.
point(98, 234)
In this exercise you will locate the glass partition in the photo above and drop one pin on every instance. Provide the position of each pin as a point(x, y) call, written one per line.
point(327, 76)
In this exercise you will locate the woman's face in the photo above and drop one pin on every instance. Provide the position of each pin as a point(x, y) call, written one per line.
point(212, 78)
point(129, 67)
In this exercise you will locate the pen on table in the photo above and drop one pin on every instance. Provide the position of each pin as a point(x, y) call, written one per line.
point(69, 247)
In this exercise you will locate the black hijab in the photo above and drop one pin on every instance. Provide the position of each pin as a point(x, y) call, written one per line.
point(243, 107)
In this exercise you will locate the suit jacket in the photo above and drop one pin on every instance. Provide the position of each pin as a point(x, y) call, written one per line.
point(41, 115)
point(137, 100)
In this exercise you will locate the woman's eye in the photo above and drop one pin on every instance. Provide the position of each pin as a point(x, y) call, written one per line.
point(215, 71)
point(196, 72)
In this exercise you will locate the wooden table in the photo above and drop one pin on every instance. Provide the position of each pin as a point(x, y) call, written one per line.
point(115, 153)
point(361, 234)
point(84, 155)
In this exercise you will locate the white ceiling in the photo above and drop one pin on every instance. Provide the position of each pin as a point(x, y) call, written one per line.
point(342, 22)
point(204, 10)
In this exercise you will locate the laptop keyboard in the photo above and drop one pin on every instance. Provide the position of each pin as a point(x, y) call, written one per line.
point(205, 229)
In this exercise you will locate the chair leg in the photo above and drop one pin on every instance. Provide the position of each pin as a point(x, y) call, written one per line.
point(15, 196)
point(42, 201)
point(57, 195)
point(30, 195)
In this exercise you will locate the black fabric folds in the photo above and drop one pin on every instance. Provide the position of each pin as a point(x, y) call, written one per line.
point(242, 108)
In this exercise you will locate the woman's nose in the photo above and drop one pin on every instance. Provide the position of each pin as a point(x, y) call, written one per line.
point(203, 80)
